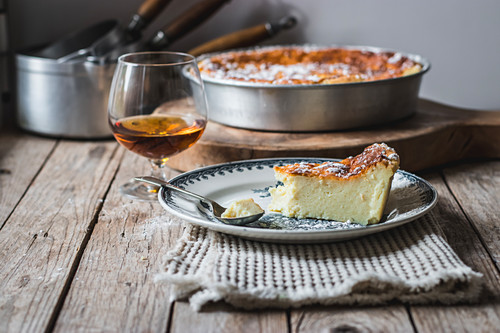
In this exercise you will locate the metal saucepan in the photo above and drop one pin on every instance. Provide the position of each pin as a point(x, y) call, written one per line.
point(314, 108)
point(103, 37)
point(171, 32)
point(245, 37)
point(62, 99)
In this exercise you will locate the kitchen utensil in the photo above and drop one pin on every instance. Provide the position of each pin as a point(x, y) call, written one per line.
point(314, 108)
point(216, 209)
point(245, 37)
point(103, 37)
point(66, 99)
point(90, 40)
point(179, 27)
point(186, 22)
point(70, 99)
point(146, 13)
point(63, 100)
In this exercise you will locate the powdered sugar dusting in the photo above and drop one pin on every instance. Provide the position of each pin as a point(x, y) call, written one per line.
point(304, 65)
point(402, 196)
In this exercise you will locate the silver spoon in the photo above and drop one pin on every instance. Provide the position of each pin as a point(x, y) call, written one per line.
point(214, 207)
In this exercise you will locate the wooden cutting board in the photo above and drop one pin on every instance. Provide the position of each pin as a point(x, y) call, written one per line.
point(436, 134)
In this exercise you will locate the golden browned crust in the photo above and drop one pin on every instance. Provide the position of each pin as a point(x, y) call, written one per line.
point(348, 168)
point(303, 65)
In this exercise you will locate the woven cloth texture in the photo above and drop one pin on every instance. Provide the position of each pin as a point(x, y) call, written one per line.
point(412, 263)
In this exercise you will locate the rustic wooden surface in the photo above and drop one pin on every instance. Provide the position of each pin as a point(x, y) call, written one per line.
point(77, 256)
point(435, 135)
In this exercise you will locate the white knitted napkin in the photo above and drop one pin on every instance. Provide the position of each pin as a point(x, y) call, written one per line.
point(412, 263)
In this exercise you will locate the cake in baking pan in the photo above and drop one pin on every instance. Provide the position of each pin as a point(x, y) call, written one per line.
point(307, 65)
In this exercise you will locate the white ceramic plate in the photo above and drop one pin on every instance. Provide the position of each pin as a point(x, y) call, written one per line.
point(410, 198)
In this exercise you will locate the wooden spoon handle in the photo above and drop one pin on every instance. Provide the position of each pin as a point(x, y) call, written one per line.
point(242, 38)
point(146, 13)
point(186, 22)
point(151, 8)
point(245, 37)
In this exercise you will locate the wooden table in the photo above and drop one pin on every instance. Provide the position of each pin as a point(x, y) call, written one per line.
point(77, 256)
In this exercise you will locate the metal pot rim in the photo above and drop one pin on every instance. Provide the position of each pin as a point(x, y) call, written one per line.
point(49, 66)
point(27, 59)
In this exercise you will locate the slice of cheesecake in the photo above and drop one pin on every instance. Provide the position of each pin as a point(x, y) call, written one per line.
point(355, 189)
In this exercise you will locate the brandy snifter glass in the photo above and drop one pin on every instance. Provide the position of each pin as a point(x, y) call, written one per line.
point(157, 108)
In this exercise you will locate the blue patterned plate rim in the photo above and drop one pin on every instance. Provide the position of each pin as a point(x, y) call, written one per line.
point(206, 174)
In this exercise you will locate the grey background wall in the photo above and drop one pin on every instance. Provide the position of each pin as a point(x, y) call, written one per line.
point(460, 38)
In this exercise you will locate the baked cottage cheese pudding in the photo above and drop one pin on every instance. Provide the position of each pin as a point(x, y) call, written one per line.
point(354, 189)
point(242, 208)
point(284, 65)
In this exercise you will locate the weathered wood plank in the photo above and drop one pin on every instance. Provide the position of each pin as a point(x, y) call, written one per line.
point(458, 318)
point(220, 317)
point(351, 319)
point(114, 289)
point(21, 157)
point(41, 239)
point(477, 189)
point(485, 315)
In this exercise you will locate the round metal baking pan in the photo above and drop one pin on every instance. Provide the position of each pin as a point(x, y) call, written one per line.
point(314, 107)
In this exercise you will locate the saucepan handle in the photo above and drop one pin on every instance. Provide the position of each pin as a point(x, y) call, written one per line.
point(245, 37)
point(146, 13)
point(186, 22)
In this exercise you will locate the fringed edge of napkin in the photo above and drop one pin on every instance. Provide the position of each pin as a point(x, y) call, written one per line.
point(202, 288)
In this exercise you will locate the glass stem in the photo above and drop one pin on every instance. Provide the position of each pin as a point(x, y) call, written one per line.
point(158, 168)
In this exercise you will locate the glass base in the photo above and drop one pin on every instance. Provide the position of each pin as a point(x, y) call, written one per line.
point(139, 191)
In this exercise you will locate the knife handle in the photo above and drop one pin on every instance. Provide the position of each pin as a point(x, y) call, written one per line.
point(186, 22)
point(146, 13)
point(245, 37)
